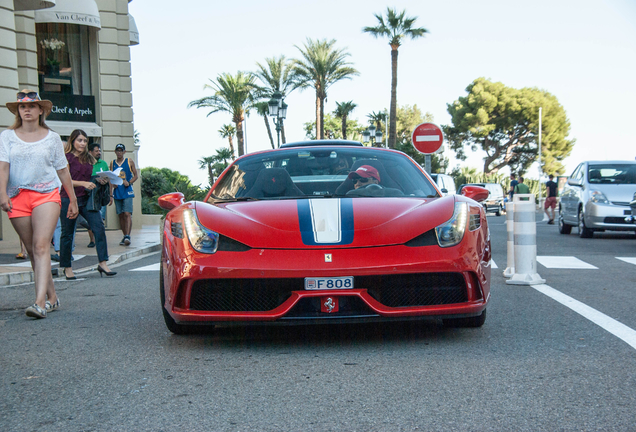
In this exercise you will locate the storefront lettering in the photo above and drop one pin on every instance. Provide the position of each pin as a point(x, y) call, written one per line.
point(70, 110)
point(75, 18)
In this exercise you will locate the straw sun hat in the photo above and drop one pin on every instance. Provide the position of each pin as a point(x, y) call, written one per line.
point(30, 96)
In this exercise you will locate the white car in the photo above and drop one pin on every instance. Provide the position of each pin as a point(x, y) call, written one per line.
point(596, 197)
point(445, 183)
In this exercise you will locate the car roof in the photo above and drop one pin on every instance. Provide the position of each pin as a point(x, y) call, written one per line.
point(330, 142)
point(600, 162)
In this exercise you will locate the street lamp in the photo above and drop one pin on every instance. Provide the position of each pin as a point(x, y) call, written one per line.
point(372, 134)
point(277, 110)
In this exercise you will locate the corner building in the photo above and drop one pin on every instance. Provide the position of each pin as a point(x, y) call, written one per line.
point(77, 54)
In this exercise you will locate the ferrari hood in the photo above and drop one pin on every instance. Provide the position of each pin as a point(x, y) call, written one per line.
point(328, 222)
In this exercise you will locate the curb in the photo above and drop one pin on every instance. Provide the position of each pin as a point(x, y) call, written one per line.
point(27, 276)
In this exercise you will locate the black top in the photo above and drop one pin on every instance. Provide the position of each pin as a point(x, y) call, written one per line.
point(552, 188)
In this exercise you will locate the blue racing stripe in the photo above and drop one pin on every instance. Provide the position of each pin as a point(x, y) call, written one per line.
point(306, 223)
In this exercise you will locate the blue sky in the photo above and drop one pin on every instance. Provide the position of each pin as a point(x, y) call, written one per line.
point(583, 52)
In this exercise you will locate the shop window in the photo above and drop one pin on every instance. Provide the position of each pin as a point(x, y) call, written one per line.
point(64, 58)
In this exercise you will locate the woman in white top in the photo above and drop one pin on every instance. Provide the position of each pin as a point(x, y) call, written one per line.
point(32, 169)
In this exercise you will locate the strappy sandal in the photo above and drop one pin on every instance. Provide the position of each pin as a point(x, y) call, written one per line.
point(21, 256)
point(35, 311)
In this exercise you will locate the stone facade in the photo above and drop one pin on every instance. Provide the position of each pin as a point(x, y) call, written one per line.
point(110, 78)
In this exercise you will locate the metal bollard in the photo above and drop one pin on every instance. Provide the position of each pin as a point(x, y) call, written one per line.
point(525, 242)
point(510, 223)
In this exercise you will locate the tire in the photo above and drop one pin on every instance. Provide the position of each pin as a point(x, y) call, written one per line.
point(170, 322)
point(584, 232)
point(499, 211)
point(471, 322)
point(563, 227)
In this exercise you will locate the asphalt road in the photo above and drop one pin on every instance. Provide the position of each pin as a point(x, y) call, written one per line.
point(105, 360)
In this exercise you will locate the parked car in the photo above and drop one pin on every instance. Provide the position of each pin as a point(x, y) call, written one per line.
point(496, 201)
point(596, 197)
point(285, 237)
point(445, 183)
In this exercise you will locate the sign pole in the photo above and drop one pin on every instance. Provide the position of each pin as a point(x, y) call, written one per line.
point(427, 163)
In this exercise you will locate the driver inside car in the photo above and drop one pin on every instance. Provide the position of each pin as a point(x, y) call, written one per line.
point(364, 176)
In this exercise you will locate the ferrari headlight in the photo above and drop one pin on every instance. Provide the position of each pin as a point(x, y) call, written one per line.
point(598, 197)
point(201, 238)
point(451, 232)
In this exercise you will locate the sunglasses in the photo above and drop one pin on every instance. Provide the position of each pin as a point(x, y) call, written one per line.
point(361, 180)
point(28, 97)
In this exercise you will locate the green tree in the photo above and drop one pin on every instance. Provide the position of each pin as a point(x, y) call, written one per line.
point(333, 128)
point(233, 95)
point(504, 123)
point(228, 131)
point(160, 181)
point(276, 75)
point(342, 112)
point(321, 66)
point(206, 163)
point(221, 161)
point(395, 27)
point(262, 109)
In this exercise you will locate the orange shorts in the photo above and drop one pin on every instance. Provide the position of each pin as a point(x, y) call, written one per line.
point(26, 200)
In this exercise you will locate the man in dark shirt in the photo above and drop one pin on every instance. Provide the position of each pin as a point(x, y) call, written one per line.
point(551, 200)
point(513, 183)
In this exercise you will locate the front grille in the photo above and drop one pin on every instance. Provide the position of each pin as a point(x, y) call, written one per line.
point(422, 289)
point(234, 295)
point(615, 220)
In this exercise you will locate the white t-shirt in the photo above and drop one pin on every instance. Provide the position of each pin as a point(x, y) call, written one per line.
point(33, 165)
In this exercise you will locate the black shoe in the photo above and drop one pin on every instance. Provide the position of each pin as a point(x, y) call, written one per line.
point(123, 242)
point(107, 273)
point(91, 245)
point(127, 240)
point(55, 257)
point(551, 222)
point(69, 277)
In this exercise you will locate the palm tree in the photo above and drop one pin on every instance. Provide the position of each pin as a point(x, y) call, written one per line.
point(228, 131)
point(342, 112)
point(320, 67)
point(207, 162)
point(233, 95)
point(396, 27)
point(262, 108)
point(275, 76)
point(378, 118)
point(221, 160)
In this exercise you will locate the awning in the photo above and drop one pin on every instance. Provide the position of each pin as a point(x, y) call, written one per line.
point(22, 5)
point(132, 30)
point(83, 12)
point(64, 128)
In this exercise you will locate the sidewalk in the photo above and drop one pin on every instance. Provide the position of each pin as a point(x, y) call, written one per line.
point(144, 240)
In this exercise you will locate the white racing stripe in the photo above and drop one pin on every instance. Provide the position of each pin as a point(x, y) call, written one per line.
point(616, 328)
point(325, 219)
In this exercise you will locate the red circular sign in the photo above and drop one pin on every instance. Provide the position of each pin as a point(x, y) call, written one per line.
point(427, 138)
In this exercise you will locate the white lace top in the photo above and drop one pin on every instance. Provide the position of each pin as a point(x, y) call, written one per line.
point(33, 165)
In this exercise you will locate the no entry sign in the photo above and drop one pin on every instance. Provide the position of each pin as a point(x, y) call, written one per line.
point(427, 138)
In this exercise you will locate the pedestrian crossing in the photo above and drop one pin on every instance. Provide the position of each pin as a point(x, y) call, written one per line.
point(568, 262)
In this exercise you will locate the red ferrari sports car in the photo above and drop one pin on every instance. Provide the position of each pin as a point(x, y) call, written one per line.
point(324, 232)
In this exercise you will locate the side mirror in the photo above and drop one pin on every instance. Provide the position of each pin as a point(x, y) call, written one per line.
point(574, 182)
point(477, 193)
point(170, 201)
point(444, 190)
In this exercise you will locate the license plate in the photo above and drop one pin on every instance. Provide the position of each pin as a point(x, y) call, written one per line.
point(329, 283)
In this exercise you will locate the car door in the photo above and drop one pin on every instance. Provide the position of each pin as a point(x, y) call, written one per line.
point(571, 193)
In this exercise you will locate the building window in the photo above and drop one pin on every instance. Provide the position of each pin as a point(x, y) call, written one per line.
point(64, 58)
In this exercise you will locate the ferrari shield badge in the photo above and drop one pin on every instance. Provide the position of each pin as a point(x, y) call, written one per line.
point(327, 257)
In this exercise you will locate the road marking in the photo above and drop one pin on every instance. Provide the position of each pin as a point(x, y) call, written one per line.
point(564, 262)
point(629, 260)
point(151, 267)
point(493, 264)
point(616, 328)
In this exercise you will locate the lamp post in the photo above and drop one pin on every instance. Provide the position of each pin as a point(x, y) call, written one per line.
point(372, 134)
point(277, 110)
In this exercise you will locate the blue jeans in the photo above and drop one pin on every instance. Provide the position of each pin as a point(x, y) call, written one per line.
point(94, 219)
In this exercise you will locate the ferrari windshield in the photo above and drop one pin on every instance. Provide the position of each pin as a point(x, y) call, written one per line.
point(312, 172)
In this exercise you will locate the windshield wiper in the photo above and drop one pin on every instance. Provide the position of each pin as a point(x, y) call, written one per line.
point(237, 199)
